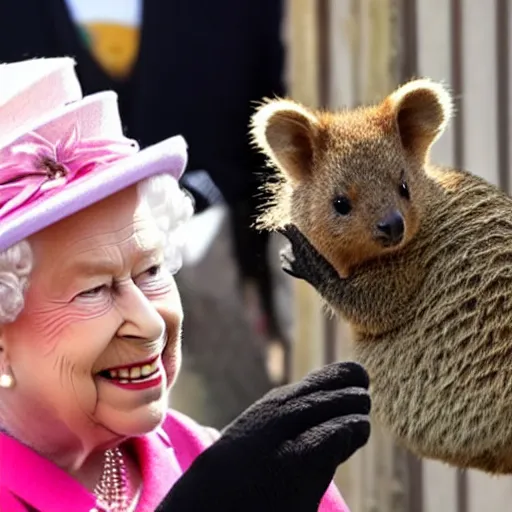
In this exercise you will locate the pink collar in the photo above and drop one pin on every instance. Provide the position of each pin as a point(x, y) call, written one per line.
point(47, 488)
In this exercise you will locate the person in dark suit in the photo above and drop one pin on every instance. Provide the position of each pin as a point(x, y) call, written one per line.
point(198, 68)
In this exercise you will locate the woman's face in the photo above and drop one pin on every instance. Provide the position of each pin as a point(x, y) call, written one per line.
point(97, 346)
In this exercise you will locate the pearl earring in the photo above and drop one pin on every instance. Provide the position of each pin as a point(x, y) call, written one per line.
point(6, 380)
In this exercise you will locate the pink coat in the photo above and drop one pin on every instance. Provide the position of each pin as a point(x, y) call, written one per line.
point(26, 477)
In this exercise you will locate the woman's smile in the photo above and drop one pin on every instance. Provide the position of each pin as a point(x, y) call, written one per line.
point(135, 376)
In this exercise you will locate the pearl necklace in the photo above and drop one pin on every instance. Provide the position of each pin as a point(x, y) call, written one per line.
point(112, 490)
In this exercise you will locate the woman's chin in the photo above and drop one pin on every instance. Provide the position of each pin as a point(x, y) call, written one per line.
point(138, 421)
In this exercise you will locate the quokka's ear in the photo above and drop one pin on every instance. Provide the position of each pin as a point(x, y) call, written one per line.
point(285, 132)
point(422, 109)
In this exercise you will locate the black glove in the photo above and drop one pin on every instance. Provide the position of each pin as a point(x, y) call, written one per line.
point(282, 452)
point(301, 260)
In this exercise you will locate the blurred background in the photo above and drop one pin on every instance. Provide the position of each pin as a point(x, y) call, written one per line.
point(198, 68)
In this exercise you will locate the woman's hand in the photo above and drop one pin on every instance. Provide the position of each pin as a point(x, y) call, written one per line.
point(282, 452)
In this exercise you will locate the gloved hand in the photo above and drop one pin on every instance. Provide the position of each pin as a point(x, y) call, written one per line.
point(282, 452)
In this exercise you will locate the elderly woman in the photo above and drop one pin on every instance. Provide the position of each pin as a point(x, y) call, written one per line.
point(90, 320)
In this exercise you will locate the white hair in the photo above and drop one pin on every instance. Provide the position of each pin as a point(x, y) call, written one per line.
point(171, 209)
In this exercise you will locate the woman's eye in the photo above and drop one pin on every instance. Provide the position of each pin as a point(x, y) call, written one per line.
point(93, 291)
point(150, 276)
point(153, 271)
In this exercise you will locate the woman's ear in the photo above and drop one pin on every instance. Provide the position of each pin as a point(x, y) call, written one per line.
point(422, 110)
point(286, 133)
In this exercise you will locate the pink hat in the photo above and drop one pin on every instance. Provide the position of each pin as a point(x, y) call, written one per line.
point(61, 152)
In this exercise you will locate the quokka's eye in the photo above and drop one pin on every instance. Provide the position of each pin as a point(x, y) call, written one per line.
point(342, 205)
point(403, 188)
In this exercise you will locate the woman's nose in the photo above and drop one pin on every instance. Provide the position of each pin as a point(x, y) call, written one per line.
point(141, 319)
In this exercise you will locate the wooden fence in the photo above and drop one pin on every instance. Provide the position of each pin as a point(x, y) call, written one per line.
point(349, 52)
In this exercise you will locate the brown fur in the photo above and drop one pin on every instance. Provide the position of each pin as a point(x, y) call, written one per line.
point(432, 317)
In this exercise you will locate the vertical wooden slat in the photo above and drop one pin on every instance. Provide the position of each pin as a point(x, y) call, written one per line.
point(331, 340)
point(303, 51)
point(458, 123)
point(324, 52)
point(343, 41)
point(503, 85)
point(435, 61)
point(479, 98)
point(414, 480)
point(508, 45)
point(457, 80)
point(462, 491)
point(409, 47)
point(488, 494)
point(380, 78)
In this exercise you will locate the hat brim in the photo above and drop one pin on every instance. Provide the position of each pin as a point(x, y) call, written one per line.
point(167, 157)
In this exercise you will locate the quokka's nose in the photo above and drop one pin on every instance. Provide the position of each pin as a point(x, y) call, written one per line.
point(391, 228)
